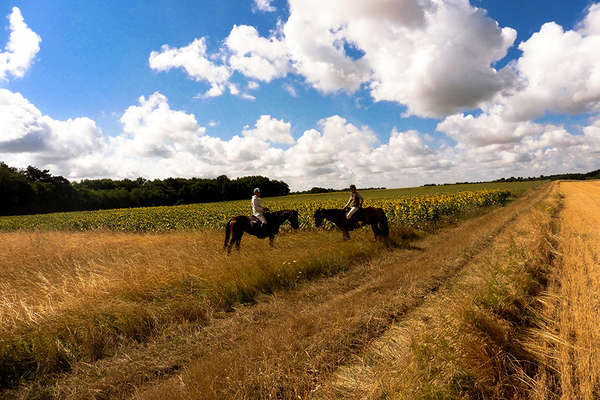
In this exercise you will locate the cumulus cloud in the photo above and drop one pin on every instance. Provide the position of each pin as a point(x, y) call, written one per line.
point(330, 154)
point(25, 130)
point(433, 56)
point(270, 129)
point(558, 72)
point(194, 59)
point(158, 141)
point(264, 5)
point(486, 129)
point(22, 47)
point(256, 57)
point(290, 89)
point(436, 57)
point(156, 129)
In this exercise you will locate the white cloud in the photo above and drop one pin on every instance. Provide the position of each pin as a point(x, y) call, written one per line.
point(40, 138)
point(486, 129)
point(256, 57)
point(433, 56)
point(156, 129)
point(158, 142)
point(264, 5)
point(290, 89)
point(253, 85)
point(234, 90)
point(22, 47)
point(271, 130)
point(197, 64)
point(329, 156)
point(559, 71)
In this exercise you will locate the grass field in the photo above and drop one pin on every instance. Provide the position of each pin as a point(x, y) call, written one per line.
point(101, 314)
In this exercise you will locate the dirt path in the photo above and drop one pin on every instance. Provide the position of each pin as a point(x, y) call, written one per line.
point(289, 344)
point(458, 341)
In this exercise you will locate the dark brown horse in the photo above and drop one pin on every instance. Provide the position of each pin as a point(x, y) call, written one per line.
point(365, 216)
point(236, 227)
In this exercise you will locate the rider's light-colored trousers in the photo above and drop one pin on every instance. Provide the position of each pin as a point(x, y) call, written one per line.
point(352, 211)
point(262, 218)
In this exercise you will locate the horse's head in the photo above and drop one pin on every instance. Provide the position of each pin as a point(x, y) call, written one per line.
point(318, 217)
point(294, 219)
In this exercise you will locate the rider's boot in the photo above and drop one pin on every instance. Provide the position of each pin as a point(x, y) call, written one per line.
point(352, 223)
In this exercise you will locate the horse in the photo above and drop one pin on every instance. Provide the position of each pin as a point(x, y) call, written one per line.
point(368, 216)
point(236, 227)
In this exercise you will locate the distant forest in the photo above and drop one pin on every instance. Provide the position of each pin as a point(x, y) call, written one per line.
point(33, 191)
point(574, 176)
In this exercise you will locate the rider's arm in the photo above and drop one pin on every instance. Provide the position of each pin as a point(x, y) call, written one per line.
point(348, 203)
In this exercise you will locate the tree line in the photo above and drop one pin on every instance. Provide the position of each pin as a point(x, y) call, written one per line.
point(567, 176)
point(32, 191)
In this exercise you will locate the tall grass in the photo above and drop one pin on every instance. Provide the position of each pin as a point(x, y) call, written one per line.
point(79, 296)
point(72, 297)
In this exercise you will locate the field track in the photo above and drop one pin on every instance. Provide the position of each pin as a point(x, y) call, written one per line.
point(291, 343)
point(325, 339)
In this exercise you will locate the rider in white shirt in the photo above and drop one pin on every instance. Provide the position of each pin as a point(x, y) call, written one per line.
point(257, 208)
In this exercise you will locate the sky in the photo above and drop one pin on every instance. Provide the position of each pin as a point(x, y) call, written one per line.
point(392, 93)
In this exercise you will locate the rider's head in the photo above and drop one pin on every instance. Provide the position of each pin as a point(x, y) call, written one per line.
point(257, 191)
point(352, 188)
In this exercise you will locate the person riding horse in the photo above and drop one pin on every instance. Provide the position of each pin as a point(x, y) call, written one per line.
point(258, 210)
point(356, 200)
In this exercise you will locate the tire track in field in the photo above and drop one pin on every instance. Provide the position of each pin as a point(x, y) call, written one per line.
point(291, 341)
point(395, 300)
point(362, 378)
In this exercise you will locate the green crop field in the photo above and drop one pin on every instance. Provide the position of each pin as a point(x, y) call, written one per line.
point(409, 206)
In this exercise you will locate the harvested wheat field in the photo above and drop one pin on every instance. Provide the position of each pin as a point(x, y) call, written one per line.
point(501, 303)
point(568, 339)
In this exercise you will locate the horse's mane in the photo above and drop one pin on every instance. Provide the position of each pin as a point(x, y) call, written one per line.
point(330, 211)
point(282, 213)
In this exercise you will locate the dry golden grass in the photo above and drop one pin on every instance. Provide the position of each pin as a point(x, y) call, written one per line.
point(165, 316)
point(66, 297)
point(287, 348)
point(464, 341)
point(567, 341)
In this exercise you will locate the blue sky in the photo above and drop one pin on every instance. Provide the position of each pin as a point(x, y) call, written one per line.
point(340, 104)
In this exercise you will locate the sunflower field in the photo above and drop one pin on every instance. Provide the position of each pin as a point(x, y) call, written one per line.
point(411, 211)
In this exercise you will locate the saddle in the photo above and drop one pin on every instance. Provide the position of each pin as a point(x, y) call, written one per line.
point(355, 221)
point(258, 227)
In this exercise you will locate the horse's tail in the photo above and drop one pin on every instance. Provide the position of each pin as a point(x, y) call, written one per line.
point(228, 229)
point(383, 224)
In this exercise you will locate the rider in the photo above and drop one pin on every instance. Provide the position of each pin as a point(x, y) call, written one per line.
point(257, 208)
point(356, 200)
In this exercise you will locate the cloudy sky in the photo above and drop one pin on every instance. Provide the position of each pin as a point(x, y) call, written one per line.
point(388, 93)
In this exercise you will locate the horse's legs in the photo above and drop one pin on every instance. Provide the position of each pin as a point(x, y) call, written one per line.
point(228, 231)
point(238, 240)
point(271, 238)
point(346, 234)
point(376, 230)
